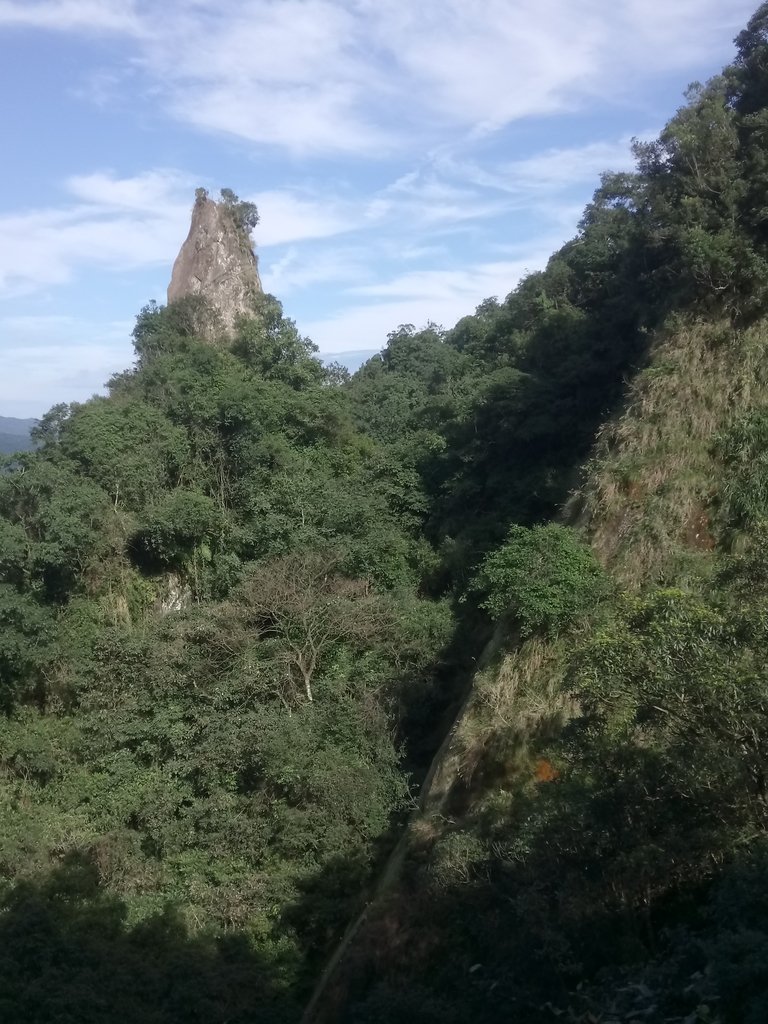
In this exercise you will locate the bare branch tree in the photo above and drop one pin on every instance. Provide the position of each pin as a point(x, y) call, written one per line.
point(304, 603)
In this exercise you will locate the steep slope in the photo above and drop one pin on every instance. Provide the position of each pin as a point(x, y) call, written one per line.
point(650, 504)
point(657, 508)
point(651, 509)
point(591, 841)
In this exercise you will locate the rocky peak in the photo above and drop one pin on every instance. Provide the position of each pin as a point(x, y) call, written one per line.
point(217, 260)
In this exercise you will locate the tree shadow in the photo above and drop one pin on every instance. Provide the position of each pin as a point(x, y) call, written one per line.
point(427, 708)
point(69, 955)
point(465, 936)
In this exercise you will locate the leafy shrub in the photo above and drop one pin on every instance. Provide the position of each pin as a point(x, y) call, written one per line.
point(542, 578)
point(244, 214)
point(24, 638)
point(179, 523)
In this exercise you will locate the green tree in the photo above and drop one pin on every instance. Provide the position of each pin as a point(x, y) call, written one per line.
point(244, 214)
point(541, 579)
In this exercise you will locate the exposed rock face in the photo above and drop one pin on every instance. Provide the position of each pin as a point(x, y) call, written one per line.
point(217, 262)
point(175, 595)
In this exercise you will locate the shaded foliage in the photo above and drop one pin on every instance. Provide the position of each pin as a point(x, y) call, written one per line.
point(71, 954)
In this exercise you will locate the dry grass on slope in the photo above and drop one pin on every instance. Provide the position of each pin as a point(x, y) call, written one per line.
point(648, 501)
point(517, 703)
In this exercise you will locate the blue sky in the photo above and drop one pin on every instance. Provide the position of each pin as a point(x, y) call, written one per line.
point(409, 157)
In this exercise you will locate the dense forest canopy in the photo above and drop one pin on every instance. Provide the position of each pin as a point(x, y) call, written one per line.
point(243, 595)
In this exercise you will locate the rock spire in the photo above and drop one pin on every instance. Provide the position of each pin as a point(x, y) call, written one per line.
point(217, 260)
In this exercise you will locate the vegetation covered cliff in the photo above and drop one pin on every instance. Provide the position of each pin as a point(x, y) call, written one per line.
point(592, 843)
point(507, 585)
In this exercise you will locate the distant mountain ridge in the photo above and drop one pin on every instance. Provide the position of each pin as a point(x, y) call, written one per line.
point(15, 426)
point(14, 434)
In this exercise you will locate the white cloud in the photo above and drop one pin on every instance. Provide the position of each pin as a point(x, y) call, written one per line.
point(483, 63)
point(366, 77)
point(118, 224)
point(292, 74)
point(89, 16)
point(453, 190)
point(127, 223)
point(417, 298)
point(425, 199)
point(54, 358)
point(322, 76)
point(301, 267)
point(144, 193)
point(289, 217)
point(551, 171)
point(440, 286)
point(680, 33)
point(299, 119)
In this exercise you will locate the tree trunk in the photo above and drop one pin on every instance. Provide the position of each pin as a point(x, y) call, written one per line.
point(306, 675)
point(307, 667)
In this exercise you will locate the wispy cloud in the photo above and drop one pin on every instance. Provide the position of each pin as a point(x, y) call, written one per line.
point(57, 358)
point(426, 199)
point(551, 171)
point(471, 284)
point(143, 193)
point(290, 216)
point(90, 16)
point(675, 35)
point(295, 74)
point(330, 76)
point(300, 267)
point(418, 297)
point(117, 224)
point(126, 223)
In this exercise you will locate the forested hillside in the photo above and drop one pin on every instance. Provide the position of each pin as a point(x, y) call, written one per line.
point(244, 596)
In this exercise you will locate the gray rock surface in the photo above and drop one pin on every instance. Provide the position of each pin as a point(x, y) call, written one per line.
point(216, 262)
point(175, 595)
